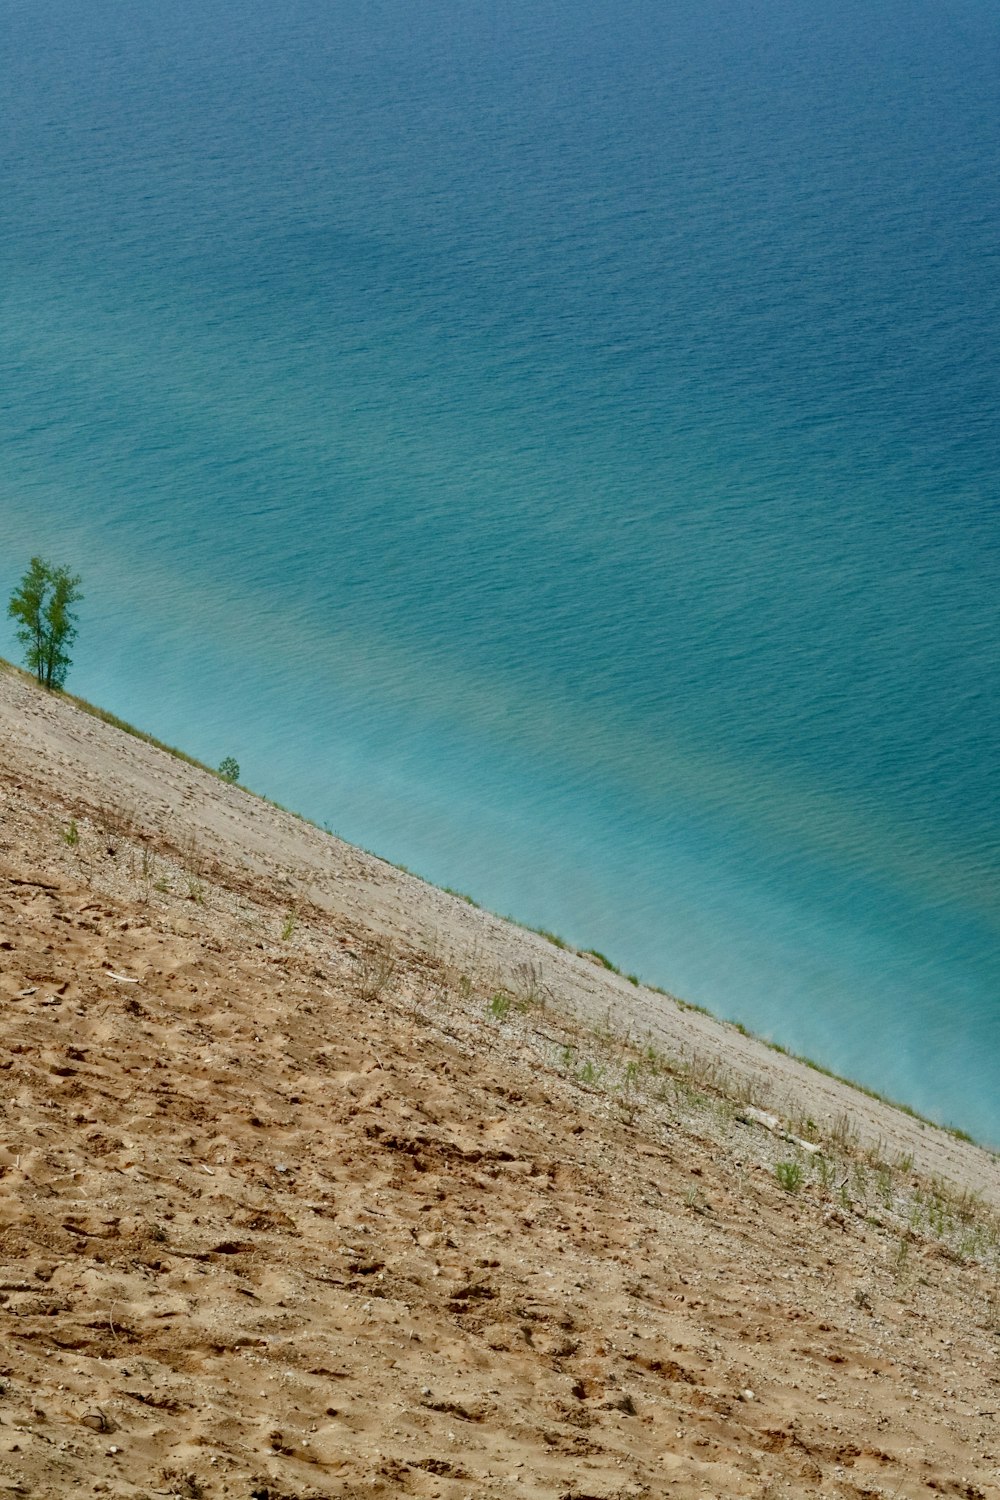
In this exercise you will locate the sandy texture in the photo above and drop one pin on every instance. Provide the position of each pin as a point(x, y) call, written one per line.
point(315, 1181)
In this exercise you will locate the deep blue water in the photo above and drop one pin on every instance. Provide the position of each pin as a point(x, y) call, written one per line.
point(555, 445)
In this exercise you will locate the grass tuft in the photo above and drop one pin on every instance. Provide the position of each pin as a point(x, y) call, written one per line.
point(790, 1175)
point(602, 959)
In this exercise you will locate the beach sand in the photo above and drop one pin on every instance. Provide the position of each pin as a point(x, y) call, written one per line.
point(318, 1181)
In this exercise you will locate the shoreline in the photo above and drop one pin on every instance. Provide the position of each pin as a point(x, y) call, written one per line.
point(346, 1171)
point(81, 755)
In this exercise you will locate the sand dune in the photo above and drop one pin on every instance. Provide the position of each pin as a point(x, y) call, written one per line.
point(316, 1181)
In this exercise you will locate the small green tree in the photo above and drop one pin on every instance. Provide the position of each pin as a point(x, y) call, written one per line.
point(42, 604)
point(229, 769)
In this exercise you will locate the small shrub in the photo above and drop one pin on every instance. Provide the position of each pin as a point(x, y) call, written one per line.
point(288, 926)
point(229, 769)
point(71, 834)
point(790, 1175)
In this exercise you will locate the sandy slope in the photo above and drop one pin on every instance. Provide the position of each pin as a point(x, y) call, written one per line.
point(291, 1209)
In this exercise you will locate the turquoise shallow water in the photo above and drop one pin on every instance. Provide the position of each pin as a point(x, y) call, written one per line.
point(554, 445)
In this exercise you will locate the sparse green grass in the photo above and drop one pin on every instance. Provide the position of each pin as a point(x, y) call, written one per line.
point(825, 1170)
point(937, 1215)
point(701, 1010)
point(550, 937)
point(960, 1217)
point(602, 959)
point(637, 1080)
point(901, 1260)
point(499, 1006)
point(139, 734)
point(288, 926)
point(460, 895)
point(790, 1175)
point(861, 1088)
point(71, 834)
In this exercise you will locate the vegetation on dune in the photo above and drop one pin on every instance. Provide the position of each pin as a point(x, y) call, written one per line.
point(229, 769)
point(499, 1012)
point(45, 622)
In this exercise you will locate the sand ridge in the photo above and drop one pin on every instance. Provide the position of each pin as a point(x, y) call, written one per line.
point(315, 1181)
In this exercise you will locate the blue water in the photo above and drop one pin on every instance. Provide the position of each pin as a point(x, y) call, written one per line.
point(555, 445)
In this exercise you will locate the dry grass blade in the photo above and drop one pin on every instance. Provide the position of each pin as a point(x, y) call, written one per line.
point(377, 967)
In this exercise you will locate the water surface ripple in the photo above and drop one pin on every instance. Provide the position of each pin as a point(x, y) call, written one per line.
point(555, 445)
